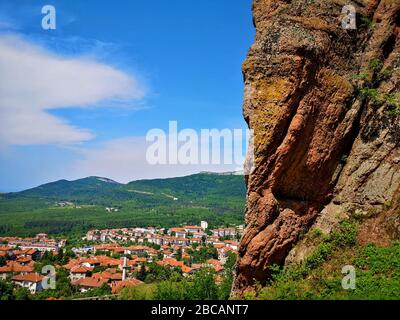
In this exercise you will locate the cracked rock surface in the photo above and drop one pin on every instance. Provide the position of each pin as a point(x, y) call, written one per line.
point(323, 102)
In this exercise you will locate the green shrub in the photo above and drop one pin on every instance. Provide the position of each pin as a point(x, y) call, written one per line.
point(290, 282)
point(319, 276)
point(140, 292)
point(372, 95)
point(375, 65)
point(200, 286)
point(366, 22)
point(316, 233)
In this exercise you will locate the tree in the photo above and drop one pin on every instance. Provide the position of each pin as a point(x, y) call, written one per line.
point(141, 275)
point(116, 255)
point(140, 292)
point(63, 284)
point(22, 294)
point(201, 286)
point(6, 290)
point(172, 290)
point(204, 253)
point(60, 257)
point(230, 261)
point(160, 255)
point(63, 289)
point(69, 254)
point(99, 268)
point(226, 285)
point(204, 287)
point(47, 257)
point(105, 289)
point(178, 254)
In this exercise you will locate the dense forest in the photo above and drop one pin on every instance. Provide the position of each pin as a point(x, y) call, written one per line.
point(73, 207)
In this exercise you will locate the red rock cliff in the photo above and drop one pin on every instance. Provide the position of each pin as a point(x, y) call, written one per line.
point(324, 105)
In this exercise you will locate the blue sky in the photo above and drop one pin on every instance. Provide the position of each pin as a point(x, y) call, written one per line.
point(178, 60)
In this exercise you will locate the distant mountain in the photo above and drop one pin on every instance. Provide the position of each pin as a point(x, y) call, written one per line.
point(197, 185)
point(65, 188)
point(64, 206)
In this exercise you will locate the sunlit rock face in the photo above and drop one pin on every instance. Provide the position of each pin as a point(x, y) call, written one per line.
point(323, 103)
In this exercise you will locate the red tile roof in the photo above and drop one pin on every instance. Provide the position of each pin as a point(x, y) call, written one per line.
point(90, 282)
point(107, 246)
point(178, 230)
point(106, 275)
point(181, 239)
point(80, 269)
point(170, 262)
point(141, 248)
point(219, 245)
point(186, 269)
point(126, 283)
point(218, 268)
point(214, 262)
point(232, 242)
point(101, 260)
point(24, 259)
point(13, 266)
point(31, 277)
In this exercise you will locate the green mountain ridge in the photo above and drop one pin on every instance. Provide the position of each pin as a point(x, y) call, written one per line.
point(61, 187)
point(64, 207)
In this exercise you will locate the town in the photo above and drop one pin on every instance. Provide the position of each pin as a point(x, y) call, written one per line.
point(107, 261)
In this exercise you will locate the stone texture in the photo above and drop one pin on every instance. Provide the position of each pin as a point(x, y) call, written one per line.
point(321, 150)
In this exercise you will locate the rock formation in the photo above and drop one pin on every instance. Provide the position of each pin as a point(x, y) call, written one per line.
point(323, 102)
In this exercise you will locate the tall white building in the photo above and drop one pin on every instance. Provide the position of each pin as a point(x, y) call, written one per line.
point(204, 225)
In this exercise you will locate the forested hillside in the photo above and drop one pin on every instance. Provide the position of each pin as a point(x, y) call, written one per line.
point(71, 207)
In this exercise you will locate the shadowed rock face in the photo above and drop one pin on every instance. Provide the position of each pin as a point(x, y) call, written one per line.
point(321, 102)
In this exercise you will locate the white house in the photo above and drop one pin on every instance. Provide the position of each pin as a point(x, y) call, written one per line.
point(191, 229)
point(179, 232)
point(79, 272)
point(31, 281)
point(232, 244)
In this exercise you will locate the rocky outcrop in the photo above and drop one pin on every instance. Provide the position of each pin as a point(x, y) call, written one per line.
point(323, 102)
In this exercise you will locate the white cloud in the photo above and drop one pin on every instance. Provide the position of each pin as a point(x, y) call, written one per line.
point(124, 160)
point(33, 81)
point(7, 25)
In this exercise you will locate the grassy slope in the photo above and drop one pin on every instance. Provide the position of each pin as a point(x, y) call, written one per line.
point(320, 277)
